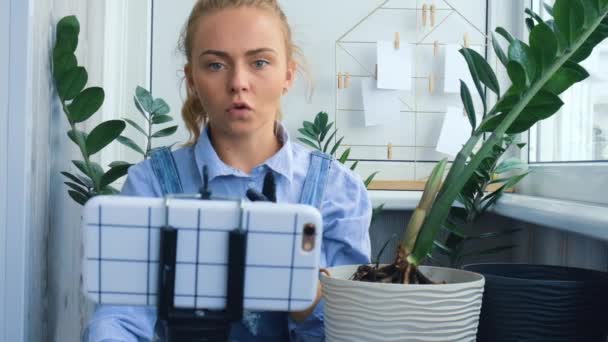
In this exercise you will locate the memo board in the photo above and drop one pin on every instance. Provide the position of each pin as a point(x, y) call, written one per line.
point(122, 236)
point(339, 36)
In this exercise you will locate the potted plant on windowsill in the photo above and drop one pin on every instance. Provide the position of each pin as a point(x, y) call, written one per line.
point(396, 301)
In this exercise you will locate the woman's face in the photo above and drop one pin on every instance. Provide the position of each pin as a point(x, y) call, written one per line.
point(239, 69)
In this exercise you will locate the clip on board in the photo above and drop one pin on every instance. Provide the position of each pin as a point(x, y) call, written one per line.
point(201, 262)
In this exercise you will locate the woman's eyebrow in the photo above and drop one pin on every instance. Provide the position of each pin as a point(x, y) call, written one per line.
point(227, 56)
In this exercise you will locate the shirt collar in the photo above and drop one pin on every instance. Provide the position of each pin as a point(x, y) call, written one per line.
point(205, 154)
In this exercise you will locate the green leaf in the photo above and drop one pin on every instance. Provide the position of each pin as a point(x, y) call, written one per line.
point(529, 24)
point(542, 106)
point(370, 178)
point(66, 37)
point(505, 34)
point(75, 135)
point(81, 165)
point(165, 132)
point(309, 143)
point(78, 197)
point(139, 109)
point(522, 54)
point(517, 74)
point(307, 134)
point(76, 187)
point(465, 95)
point(548, 8)
point(354, 166)
point(136, 126)
point(119, 163)
point(509, 165)
point(113, 174)
point(569, 74)
point(344, 156)
point(544, 46)
point(570, 19)
point(500, 53)
point(443, 249)
point(534, 15)
point(63, 62)
point(311, 128)
point(74, 178)
point(479, 66)
point(323, 118)
point(325, 131)
point(130, 144)
point(144, 98)
point(71, 83)
point(336, 146)
point(86, 104)
point(96, 172)
point(104, 134)
point(329, 140)
point(108, 190)
point(161, 119)
point(160, 107)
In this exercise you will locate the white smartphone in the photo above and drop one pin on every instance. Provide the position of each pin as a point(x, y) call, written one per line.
point(121, 251)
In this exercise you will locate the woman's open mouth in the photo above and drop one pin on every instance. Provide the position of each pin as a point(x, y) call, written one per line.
point(239, 109)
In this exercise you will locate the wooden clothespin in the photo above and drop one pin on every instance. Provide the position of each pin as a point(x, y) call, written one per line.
point(347, 80)
point(431, 83)
point(465, 39)
point(340, 81)
point(397, 41)
point(435, 48)
point(389, 151)
point(425, 8)
point(433, 12)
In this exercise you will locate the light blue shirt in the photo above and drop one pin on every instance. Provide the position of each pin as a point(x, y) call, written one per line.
point(345, 208)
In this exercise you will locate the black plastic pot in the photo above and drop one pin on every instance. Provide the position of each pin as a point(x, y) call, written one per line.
point(523, 302)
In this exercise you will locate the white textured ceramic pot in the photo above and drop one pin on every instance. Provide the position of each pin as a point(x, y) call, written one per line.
point(362, 311)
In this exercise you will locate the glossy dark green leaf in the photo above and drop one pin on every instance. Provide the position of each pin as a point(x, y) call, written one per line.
point(113, 174)
point(522, 54)
point(71, 83)
point(510, 164)
point(311, 128)
point(591, 11)
point(505, 34)
point(500, 53)
point(517, 75)
point(326, 129)
point(63, 62)
point(86, 104)
point(161, 119)
point(344, 156)
point(329, 139)
point(529, 23)
point(562, 43)
point(542, 106)
point(76, 187)
point(544, 46)
point(66, 36)
point(104, 134)
point(139, 108)
point(307, 134)
point(160, 107)
point(78, 197)
point(165, 132)
point(354, 166)
point(136, 126)
point(74, 179)
point(534, 16)
point(569, 74)
point(323, 118)
point(118, 163)
point(479, 66)
point(144, 98)
point(467, 101)
point(308, 142)
point(96, 172)
point(336, 146)
point(81, 165)
point(570, 18)
point(369, 179)
point(130, 144)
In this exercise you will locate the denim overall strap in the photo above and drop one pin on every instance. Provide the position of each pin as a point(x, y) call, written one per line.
point(165, 171)
point(316, 179)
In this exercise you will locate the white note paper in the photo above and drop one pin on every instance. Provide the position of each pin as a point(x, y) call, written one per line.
point(381, 106)
point(455, 131)
point(394, 66)
point(456, 69)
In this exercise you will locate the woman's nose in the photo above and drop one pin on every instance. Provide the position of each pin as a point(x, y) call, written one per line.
point(239, 80)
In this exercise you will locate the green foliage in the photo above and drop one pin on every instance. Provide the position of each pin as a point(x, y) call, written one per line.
point(456, 239)
point(80, 104)
point(539, 73)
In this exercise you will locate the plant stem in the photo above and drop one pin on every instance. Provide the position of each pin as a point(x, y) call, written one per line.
point(458, 176)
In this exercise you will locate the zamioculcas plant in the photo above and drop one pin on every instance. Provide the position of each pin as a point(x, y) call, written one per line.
point(79, 104)
point(539, 72)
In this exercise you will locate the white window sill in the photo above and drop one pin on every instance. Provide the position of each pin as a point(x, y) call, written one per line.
point(577, 217)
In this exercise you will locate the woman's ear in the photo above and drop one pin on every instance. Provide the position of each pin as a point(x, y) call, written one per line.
point(290, 76)
point(188, 74)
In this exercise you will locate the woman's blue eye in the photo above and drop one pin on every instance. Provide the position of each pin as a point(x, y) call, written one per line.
point(260, 63)
point(215, 66)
